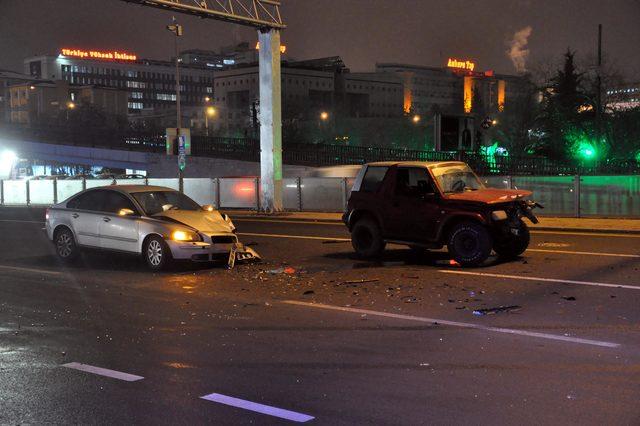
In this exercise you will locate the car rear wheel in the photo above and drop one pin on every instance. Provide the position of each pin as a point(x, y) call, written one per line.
point(66, 247)
point(469, 243)
point(366, 238)
point(514, 245)
point(156, 253)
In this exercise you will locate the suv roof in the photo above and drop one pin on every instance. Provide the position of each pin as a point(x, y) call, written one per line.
point(427, 164)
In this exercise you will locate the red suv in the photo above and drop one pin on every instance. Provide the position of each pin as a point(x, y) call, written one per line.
point(427, 205)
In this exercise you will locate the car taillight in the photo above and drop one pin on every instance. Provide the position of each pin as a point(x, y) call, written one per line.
point(46, 214)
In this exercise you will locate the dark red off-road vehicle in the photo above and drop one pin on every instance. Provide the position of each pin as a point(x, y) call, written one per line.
point(427, 205)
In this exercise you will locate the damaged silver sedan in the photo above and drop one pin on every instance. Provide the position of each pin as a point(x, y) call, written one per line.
point(159, 223)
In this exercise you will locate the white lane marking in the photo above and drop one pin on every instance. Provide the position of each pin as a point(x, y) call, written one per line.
point(298, 237)
point(551, 280)
point(585, 253)
point(37, 271)
point(21, 221)
point(103, 372)
point(305, 222)
point(587, 234)
point(458, 324)
point(308, 237)
point(258, 408)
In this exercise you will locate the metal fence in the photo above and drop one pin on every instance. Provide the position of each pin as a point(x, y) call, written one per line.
point(316, 155)
point(571, 196)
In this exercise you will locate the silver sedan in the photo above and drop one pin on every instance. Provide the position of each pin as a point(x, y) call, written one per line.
point(158, 223)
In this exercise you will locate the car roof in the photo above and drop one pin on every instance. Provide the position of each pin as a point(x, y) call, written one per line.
point(427, 164)
point(135, 188)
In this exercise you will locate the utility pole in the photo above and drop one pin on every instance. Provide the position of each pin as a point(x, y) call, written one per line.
point(599, 87)
point(177, 30)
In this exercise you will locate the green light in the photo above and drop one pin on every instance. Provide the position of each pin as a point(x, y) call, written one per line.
point(585, 149)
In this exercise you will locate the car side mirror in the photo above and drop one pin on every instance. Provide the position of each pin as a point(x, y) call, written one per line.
point(126, 212)
point(208, 207)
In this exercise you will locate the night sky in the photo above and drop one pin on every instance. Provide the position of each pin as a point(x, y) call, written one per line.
point(363, 32)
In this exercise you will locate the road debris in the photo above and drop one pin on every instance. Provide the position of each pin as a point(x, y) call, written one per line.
point(282, 270)
point(569, 298)
point(241, 253)
point(335, 241)
point(409, 299)
point(362, 281)
point(308, 292)
point(499, 309)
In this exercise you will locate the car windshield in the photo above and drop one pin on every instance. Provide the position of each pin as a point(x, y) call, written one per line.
point(456, 178)
point(154, 202)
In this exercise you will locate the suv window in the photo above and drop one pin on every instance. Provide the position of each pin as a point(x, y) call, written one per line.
point(90, 200)
point(413, 182)
point(373, 179)
point(116, 201)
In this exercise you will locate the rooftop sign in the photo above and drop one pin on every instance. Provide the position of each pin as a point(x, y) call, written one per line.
point(461, 65)
point(97, 54)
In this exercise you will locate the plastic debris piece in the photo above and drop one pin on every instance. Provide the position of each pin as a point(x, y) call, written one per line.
point(308, 292)
point(410, 299)
point(453, 263)
point(499, 309)
point(289, 270)
point(569, 298)
point(241, 253)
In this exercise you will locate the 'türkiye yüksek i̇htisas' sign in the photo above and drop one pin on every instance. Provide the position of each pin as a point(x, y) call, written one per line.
point(97, 54)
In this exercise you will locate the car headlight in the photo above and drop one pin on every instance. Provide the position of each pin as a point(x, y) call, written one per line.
point(184, 236)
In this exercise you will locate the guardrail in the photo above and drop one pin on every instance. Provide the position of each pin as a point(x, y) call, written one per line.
point(571, 196)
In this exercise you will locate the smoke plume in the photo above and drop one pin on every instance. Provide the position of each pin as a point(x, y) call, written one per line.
point(518, 51)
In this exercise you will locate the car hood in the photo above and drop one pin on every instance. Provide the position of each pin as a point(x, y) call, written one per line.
point(203, 221)
point(490, 195)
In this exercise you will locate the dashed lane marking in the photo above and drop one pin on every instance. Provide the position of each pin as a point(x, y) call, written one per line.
point(103, 372)
point(540, 279)
point(585, 253)
point(33, 270)
point(258, 408)
point(511, 331)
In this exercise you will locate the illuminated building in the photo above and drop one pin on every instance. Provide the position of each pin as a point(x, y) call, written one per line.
point(150, 83)
point(623, 97)
point(8, 78)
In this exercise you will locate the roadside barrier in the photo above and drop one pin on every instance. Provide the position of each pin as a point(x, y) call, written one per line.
point(570, 196)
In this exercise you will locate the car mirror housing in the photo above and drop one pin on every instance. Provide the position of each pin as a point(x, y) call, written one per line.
point(126, 212)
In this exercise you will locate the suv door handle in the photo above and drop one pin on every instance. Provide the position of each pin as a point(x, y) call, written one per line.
point(106, 219)
point(75, 215)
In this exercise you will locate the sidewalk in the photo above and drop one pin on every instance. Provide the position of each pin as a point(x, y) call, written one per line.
point(562, 224)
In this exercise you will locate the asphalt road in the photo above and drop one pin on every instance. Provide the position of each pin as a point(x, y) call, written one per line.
point(104, 341)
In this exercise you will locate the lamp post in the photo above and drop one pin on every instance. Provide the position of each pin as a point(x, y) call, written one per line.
point(70, 106)
point(177, 30)
point(209, 112)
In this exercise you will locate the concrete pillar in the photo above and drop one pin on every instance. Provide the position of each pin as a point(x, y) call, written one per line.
point(270, 122)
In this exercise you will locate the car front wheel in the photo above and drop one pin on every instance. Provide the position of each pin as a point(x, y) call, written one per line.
point(66, 247)
point(366, 238)
point(469, 243)
point(156, 253)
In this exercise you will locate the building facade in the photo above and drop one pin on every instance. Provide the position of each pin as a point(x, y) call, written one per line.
point(150, 84)
point(39, 101)
point(309, 89)
point(7, 79)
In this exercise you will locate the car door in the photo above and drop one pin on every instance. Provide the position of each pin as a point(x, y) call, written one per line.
point(118, 231)
point(84, 217)
point(413, 210)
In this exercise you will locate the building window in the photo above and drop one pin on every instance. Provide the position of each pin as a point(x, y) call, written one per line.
point(135, 105)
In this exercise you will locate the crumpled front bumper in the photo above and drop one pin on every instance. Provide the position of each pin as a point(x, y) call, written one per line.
point(213, 247)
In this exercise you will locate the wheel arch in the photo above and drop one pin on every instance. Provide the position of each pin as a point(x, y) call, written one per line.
point(61, 227)
point(359, 214)
point(144, 240)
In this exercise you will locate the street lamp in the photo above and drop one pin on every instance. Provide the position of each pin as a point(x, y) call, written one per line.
point(416, 119)
point(209, 112)
point(324, 116)
point(176, 29)
point(70, 106)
